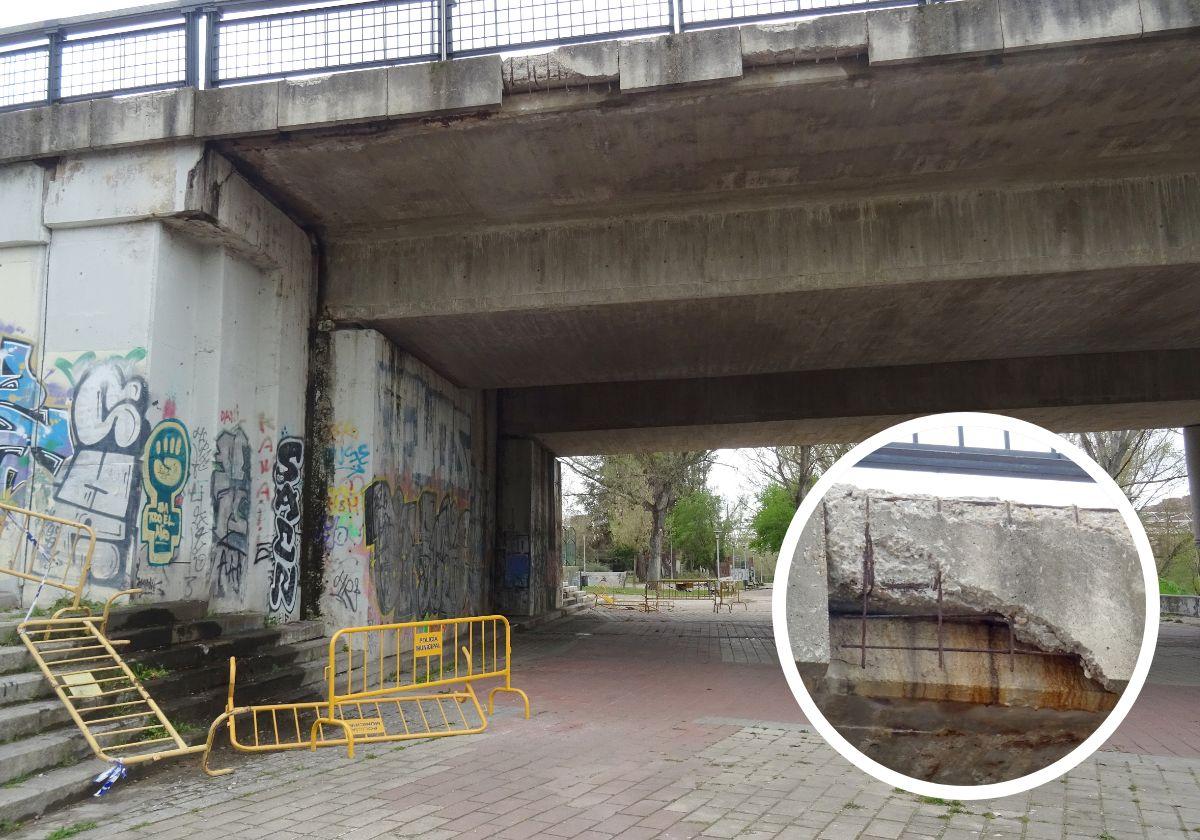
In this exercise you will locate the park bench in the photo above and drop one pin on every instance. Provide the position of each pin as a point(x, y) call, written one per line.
point(389, 682)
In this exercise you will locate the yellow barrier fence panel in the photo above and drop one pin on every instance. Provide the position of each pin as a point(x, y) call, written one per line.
point(391, 682)
point(670, 590)
point(381, 660)
point(46, 550)
point(119, 720)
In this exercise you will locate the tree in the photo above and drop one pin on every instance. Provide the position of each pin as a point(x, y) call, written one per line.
point(652, 482)
point(776, 508)
point(693, 524)
point(1143, 462)
point(796, 468)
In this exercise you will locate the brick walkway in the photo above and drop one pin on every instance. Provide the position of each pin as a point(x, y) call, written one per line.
point(670, 726)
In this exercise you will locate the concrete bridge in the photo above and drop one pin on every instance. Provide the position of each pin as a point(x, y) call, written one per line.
point(396, 293)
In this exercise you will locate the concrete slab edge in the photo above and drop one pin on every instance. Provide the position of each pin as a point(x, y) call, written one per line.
point(962, 29)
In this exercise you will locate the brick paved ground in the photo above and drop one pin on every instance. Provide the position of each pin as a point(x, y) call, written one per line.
point(667, 726)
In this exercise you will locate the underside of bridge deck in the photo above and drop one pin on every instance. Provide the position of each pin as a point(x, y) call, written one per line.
point(804, 252)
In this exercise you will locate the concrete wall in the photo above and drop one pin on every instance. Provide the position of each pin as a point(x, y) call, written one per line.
point(1180, 605)
point(529, 516)
point(154, 326)
point(409, 524)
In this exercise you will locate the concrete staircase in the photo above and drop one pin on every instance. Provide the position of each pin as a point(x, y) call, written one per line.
point(184, 654)
point(574, 599)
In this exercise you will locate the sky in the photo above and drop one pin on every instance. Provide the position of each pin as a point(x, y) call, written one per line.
point(15, 14)
point(732, 477)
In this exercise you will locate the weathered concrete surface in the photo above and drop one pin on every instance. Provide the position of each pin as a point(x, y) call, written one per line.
point(445, 86)
point(958, 29)
point(1180, 605)
point(577, 65)
point(942, 31)
point(999, 679)
point(819, 39)
point(688, 58)
point(1068, 579)
point(808, 600)
point(1063, 393)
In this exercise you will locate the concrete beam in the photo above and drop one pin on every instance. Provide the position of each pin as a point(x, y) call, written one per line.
point(889, 241)
point(959, 29)
point(22, 187)
point(689, 58)
point(1036, 23)
point(336, 98)
point(183, 185)
point(951, 30)
point(467, 84)
point(1064, 393)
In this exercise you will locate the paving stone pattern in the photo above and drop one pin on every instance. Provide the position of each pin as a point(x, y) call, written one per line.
point(676, 725)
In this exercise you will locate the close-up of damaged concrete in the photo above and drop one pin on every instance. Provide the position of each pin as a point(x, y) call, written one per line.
point(964, 640)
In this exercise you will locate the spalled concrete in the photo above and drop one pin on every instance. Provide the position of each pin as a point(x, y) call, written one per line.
point(576, 65)
point(1068, 579)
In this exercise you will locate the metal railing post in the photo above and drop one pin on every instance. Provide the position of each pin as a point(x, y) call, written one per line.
point(212, 47)
point(444, 29)
point(54, 66)
point(191, 41)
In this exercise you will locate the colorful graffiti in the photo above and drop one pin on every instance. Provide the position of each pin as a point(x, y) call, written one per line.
point(165, 463)
point(100, 483)
point(420, 547)
point(230, 489)
point(285, 548)
point(29, 430)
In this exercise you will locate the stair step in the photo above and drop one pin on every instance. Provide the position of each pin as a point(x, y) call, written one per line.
point(15, 658)
point(128, 617)
point(27, 685)
point(41, 752)
point(243, 643)
point(36, 795)
point(22, 720)
point(198, 630)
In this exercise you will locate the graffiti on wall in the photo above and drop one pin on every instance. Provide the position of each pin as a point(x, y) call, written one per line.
point(285, 547)
point(199, 527)
point(100, 483)
point(29, 430)
point(230, 490)
point(165, 462)
point(421, 552)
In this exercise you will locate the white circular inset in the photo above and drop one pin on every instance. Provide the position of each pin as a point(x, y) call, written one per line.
point(933, 789)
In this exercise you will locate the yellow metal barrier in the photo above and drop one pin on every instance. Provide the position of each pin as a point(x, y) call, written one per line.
point(670, 590)
point(59, 551)
point(118, 719)
point(611, 598)
point(380, 683)
point(729, 592)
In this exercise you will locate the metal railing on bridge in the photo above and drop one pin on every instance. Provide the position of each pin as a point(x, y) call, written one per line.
point(238, 41)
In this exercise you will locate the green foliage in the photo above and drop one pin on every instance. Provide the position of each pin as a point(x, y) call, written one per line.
point(692, 525)
point(772, 518)
point(1181, 572)
point(146, 672)
point(71, 830)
